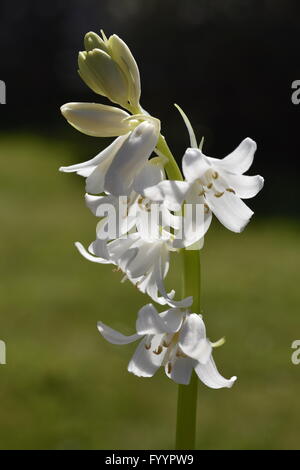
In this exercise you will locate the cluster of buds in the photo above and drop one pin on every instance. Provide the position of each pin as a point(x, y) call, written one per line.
point(109, 69)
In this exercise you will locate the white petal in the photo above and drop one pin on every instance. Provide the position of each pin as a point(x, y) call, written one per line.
point(99, 249)
point(184, 303)
point(147, 255)
point(194, 223)
point(210, 376)
point(93, 202)
point(181, 370)
point(90, 165)
point(240, 160)
point(114, 336)
point(192, 339)
point(171, 193)
point(173, 319)
point(131, 158)
point(118, 248)
point(149, 322)
point(90, 257)
point(245, 187)
point(230, 210)
point(147, 284)
point(194, 164)
point(96, 119)
point(150, 175)
point(144, 362)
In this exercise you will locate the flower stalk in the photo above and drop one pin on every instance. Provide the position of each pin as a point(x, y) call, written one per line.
point(187, 394)
point(137, 190)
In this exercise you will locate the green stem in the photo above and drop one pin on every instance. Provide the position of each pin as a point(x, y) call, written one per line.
point(171, 167)
point(187, 394)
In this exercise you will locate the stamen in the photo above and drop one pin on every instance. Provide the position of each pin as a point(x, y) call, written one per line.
point(215, 175)
point(169, 367)
point(201, 193)
point(159, 350)
point(230, 190)
point(209, 185)
point(148, 342)
point(180, 353)
point(219, 194)
point(206, 209)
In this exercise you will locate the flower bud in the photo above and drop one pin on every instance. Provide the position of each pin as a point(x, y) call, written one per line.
point(121, 54)
point(109, 69)
point(103, 75)
point(97, 120)
point(93, 41)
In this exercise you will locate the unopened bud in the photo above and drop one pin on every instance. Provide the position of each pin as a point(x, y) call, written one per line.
point(103, 75)
point(97, 120)
point(109, 69)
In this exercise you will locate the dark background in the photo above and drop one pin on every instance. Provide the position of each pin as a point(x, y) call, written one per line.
point(229, 64)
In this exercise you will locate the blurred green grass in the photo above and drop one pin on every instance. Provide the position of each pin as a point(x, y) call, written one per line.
point(65, 388)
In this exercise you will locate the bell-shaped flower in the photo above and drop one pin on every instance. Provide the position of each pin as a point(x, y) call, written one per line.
point(144, 262)
point(114, 169)
point(120, 215)
point(109, 69)
point(175, 340)
point(219, 185)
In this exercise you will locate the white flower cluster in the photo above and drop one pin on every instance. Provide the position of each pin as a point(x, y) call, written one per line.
point(127, 182)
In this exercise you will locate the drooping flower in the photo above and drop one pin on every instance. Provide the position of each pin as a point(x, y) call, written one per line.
point(114, 169)
point(144, 262)
point(120, 215)
point(219, 185)
point(175, 340)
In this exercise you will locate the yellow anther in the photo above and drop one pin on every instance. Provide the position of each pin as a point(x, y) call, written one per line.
point(209, 185)
point(219, 194)
point(230, 190)
point(159, 350)
point(215, 175)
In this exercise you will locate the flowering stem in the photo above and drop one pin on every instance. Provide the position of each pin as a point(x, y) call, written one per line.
point(171, 167)
point(187, 394)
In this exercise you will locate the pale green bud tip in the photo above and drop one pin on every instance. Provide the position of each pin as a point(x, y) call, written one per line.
point(82, 56)
point(93, 41)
